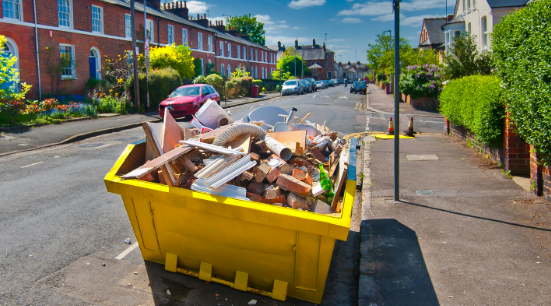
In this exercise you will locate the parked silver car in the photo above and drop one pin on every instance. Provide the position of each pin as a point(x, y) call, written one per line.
point(321, 85)
point(292, 87)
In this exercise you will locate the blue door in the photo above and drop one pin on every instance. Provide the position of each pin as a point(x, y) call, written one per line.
point(92, 67)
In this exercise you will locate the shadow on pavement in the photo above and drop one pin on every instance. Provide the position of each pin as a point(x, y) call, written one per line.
point(401, 275)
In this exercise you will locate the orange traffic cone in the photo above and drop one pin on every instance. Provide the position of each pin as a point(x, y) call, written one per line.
point(390, 127)
point(409, 131)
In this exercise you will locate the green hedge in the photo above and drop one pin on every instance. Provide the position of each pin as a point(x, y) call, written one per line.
point(161, 83)
point(520, 42)
point(258, 83)
point(476, 103)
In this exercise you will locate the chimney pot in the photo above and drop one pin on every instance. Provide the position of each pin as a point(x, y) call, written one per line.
point(198, 16)
point(185, 4)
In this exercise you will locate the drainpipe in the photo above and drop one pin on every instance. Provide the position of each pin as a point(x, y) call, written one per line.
point(37, 58)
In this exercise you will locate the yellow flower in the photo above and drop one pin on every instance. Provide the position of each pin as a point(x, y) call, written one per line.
point(111, 90)
point(120, 81)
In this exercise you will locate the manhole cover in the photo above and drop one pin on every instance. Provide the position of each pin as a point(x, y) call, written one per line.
point(424, 192)
point(422, 157)
point(90, 145)
point(126, 138)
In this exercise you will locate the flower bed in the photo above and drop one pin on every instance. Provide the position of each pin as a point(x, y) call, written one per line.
point(421, 84)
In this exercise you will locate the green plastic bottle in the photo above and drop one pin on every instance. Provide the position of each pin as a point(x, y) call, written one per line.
point(325, 182)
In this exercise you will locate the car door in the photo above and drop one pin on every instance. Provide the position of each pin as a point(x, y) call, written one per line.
point(213, 94)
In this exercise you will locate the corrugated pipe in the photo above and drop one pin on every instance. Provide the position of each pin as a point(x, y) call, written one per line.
point(246, 128)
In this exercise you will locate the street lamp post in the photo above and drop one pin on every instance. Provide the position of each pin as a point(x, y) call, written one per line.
point(135, 57)
point(396, 100)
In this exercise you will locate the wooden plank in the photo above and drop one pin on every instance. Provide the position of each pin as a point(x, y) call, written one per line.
point(306, 116)
point(290, 138)
point(172, 133)
point(153, 143)
point(243, 141)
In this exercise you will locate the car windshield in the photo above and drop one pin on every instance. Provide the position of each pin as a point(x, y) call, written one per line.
point(186, 91)
point(319, 82)
point(359, 83)
point(290, 83)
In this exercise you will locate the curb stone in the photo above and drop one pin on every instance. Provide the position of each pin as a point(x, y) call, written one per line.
point(367, 289)
point(83, 136)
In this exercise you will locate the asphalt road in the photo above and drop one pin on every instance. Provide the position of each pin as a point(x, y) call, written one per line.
point(60, 231)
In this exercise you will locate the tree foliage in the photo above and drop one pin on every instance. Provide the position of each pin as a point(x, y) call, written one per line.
point(287, 65)
point(175, 57)
point(9, 76)
point(381, 54)
point(521, 43)
point(247, 24)
point(463, 59)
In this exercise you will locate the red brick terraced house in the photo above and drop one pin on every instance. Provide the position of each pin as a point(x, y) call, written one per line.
point(41, 32)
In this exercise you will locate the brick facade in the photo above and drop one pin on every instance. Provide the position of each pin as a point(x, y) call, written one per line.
point(514, 155)
point(112, 42)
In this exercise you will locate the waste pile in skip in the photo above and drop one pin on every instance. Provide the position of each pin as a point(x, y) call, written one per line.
point(263, 157)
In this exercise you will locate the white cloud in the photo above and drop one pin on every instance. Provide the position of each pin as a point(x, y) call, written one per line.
point(265, 19)
point(298, 4)
point(296, 28)
point(197, 7)
point(375, 8)
point(351, 20)
point(337, 39)
point(214, 19)
point(416, 21)
point(387, 17)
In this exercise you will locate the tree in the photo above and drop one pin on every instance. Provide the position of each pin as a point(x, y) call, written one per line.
point(463, 59)
point(384, 45)
point(248, 25)
point(289, 51)
point(287, 64)
point(175, 57)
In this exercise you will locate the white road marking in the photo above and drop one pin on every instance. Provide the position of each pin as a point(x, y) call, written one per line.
point(127, 251)
point(105, 145)
point(327, 96)
point(313, 96)
point(32, 164)
point(343, 97)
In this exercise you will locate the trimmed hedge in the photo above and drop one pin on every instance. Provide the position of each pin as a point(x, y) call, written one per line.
point(258, 82)
point(161, 83)
point(476, 103)
point(520, 42)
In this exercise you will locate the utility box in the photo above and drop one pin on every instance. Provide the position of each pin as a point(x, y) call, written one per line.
point(250, 246)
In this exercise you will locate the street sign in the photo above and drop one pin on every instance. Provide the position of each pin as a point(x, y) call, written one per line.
point(146, 53)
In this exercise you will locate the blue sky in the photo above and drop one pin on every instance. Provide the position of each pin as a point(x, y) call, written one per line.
point(350, 24)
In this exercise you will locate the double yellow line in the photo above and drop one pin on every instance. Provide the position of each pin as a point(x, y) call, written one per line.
point(360, 106)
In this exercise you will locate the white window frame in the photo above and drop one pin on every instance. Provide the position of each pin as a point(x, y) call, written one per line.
point(229, 70)
point(485, 33)
point(100, 19)
point(222, 69)
point(70, 17)
point(244, 53)
point(17, 7)
point(256, 55)
point(261, 56)
point(209, 39)
point(252, 54)
point(149, 23)
point(222, 48)
point(199, 41)
point(127, 26)
point(229, 50)
point(73, 74)
point(184, 37)
point(202, 67)
point(170, 34)
point(238, 52)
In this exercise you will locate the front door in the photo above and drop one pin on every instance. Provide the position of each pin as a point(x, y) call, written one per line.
point(92, 61)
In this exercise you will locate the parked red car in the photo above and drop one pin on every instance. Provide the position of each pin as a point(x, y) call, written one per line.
point(186, 100)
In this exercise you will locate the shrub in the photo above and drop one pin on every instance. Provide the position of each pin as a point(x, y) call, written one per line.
point(233, 88)
point(97, 84)
point(421, 81)
point(201, 79)
point(246, 83)
point(217, 82)
point(476, 103)
point(161, 83)
point(381, 76)
point(521, 55)
point(258, 83)
point(175, 57)
point(197, 66)
point(463, 59)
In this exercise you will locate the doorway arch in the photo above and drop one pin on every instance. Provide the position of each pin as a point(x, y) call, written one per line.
point(10, 49)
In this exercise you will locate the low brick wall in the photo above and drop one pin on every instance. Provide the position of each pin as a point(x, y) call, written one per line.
point(540, 176)
point(514, 155)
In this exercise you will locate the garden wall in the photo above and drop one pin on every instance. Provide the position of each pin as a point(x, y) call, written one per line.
point(540, 176)
point(514, 155)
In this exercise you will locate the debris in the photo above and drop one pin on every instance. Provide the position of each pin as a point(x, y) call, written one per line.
point(296, 201)
point(273, 175)
point(127, 241)
point(104, 264)
point(252, 302)
point(291, 184)
point(257, 188)
point(272, 192)
point(168, 292)
point(263, 158)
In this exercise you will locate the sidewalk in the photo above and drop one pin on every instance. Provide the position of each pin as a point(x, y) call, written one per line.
point(28, 138)
point(461, 234)
point(381, 107)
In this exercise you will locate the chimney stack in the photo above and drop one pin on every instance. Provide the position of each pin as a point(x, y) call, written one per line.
point(279, 45)
point(218, 25)
point(202, 20)
point(233, 31)
point(156, 4)
point(314, 43)
point(178, 8)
